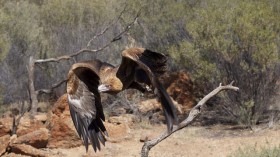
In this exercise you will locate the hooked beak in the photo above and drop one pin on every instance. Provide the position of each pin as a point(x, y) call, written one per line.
point(103, 88)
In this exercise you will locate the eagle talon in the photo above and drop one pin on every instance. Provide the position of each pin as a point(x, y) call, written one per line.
point(148, 88)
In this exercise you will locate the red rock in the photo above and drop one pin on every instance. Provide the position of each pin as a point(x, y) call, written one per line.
point(5, 126)
point(14, 155)
point(153, 104)
point(117, 132)
point(62, 136)
point(147, 137)
point(123, 119)
point(61, 106)
point(181, 88)
point(24, 149)
point(42, 117)
point(149, 105)
point(28, 125)
point(38, 138)
point(62, 131)
point(4, 140)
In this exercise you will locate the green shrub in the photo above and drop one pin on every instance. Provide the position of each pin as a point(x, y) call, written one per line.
point(234, 41)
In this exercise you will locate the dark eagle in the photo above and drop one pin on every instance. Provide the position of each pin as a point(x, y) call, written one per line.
point(86, 80)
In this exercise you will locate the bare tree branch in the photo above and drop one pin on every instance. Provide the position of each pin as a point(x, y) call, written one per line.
point(48, 91)
point(107, 27)
point(128, 26)
point(115, 38)
point(195, 111)
point(16, 121)
point(33, 94)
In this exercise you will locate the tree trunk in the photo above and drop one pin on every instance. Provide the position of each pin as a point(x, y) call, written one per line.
point(33, 94)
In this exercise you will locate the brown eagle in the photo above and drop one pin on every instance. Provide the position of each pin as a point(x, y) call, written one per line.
point(86, 80)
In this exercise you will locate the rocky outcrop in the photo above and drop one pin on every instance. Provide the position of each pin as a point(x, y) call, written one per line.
point(153, 105)
point(63, 134)
point(62, 131)
point(28, 125)
point(128, 119)
point(14, 155)
point(117, 132)
point(181, 88)
point(28, 150)
point(5, 126)
point(147, 136)
point(38, 138)
point(4, 140)
point(148, 105)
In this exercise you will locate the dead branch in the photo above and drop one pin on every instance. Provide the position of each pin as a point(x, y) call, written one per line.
point(48, 91)
point(115, 38)
point(33, 94)
point(16, 121)
point(107, 27)
point(195, 111)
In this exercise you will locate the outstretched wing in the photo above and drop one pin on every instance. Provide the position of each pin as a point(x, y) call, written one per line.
point(143, 66)
point(85, 103)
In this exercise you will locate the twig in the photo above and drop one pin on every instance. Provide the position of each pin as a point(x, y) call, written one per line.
point(48, 91)
point(128, 26)
point(107, 27)
point(195, 111)
point(17, 121)
point(115, 38)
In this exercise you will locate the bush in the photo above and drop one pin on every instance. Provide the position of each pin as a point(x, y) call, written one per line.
point(52, 28)
point(234, 41)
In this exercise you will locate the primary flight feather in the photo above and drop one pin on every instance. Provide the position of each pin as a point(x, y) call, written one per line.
point(86, 80)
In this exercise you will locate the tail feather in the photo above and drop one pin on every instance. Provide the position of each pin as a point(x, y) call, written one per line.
point(167, 105)
point(94, 141)
point(101, 138)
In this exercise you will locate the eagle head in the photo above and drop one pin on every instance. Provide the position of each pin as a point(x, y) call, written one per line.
point(111, 85)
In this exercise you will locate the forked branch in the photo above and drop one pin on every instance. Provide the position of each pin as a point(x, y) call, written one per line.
point(111, 24)
point(195, 111)
point(16, 121)
point(115, 38)
point(48, 91)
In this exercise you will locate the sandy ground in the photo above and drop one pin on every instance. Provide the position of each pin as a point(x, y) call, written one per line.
point(214, 141)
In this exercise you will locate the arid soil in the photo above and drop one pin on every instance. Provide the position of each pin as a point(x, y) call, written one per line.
point(214, 141)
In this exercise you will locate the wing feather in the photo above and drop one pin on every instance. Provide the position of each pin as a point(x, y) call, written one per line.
point(85, 103)
point(153, 64)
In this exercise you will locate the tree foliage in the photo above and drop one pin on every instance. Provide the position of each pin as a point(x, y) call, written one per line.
point(47, 29)
point(234, 41)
